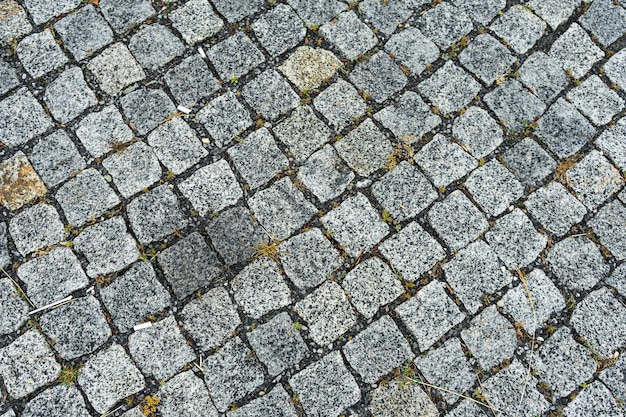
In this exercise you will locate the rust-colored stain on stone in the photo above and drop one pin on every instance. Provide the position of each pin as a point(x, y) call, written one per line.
point(19, 183)
point(8, 8)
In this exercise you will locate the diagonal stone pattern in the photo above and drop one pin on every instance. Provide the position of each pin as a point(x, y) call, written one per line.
point(383, 208)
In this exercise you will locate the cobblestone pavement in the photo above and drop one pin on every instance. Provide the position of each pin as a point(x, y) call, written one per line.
point(391, 208)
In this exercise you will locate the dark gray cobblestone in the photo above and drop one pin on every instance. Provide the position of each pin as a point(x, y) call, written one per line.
point(312, 208)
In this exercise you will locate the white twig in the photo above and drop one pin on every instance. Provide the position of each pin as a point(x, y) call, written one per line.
point(52, 305)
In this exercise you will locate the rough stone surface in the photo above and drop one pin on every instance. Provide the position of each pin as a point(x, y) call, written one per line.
point(224, 118)
point(481, 185)
point(39, 54)
point(191, 81)
point(155, 46)
point(43, 10)
point(564, 129)
point(450, 88)
point(115, 68)
point(176, 145)
point(77, 328)
point(303, 132)
point(196, 21)
point(270, 95)
point(155, 215)
point(325, 174)
point(486, 58)
point(35, 228)
point(185, 395)
point(412, 49)
point(529, 162)
point(13, 308)
point(605, 20)
point(235, 234)
point(594, 400)
point(211, 188)
point(59, 400)
point(577, 263)
point(133, 169)
point(543, 75)
point(608, 225)
point(520, 28)
point(123, 15)
point(340, 104)
point(596, 101)
point(477, 131)
point(575, 51)
point(378, 77)
point(102, 131)
point(594, 179)
point(399, 400)
point(612, 143)
point(349, 35)
point(84, 32)
point(22, 118)
point(235, 56)
point(275, 403)
point(147, 108)
point(308, 67)
point(55, 158)
point(444, 161)
point(514, 105)
point(445, 25)
point(409, 118)
point(365, 149)
point(279, 29)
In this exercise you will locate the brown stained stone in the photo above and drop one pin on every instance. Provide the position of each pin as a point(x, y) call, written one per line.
point(9, 8)
point(308, 67)
point(19, 183)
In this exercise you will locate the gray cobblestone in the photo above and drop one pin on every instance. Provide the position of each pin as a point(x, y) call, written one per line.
point(55, 158)
point(577, 263)
point(564, 129)
point(444, 161)
point(348, 34)
point(235, 56)
point(608, 225)
point(409, 118)
point(84, 32)
point(514, 105)
point(596, 101)
point(212, 188)
point(529, 162)
point(605, 20)
point(42, 10)
point(102, 131)
point(612, 69)
point(39, 53)
point(35, 228)
point(115, 68)
point(17, 129)
point(196, 21)
point(481, 182)
point(69, 95)
point(303, 132)
point(397, 399)
point(185, 395)
point(611, 142)
point(477, 131)
point(176, 145)
point(13, 308)
point(276, 403)
point(340, 104)
point(224, 118)
point(235, 234)
point(58, 400)
point(325, 174)
point(450, 88)
point(270, 95)
point(191, 81)
point(445, 25)
point(555, 208)
point(594, 179)
point(379, 77)
point(133, 169)
point(575, 51)
point(146, 108)
point(486, 58)
point(412, 49)
point(520, 28)
point(123, 15)
point(365, 149)
point(279, 29)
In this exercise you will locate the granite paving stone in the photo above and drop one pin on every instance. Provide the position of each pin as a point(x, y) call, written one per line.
point(270, 95)
point(260, 288)
point(196, 21)
point(27, 364)
point(475, 272)
point(13, 308)
point(414, 50)
point(235, 56)
point(147, 108)
point(445, 24)
point(189, 264)
point(371, 285)
point(505, 388)
point(577, 263)
point(210, 319)
point(554, 12)
point(102, 131)
point(618, 279)
point(107, 246)
point(258, 159)
point(609, 225)
point(596, 101)
point(185, 395)
point(412, 251)
point(279, 29)
point(325, 174)
point(309, 258)
point(563, 363)
point(327, 312)
point(281, 209)
point(365, 149)
point(613, 378)
point(14, 22)
point(8, 77)
point(124, 15)
point(404, 191)
point(450, 88)
point(317, 12)
point(84, 32)
point(224, 118)
point(278, 344)
point(543, 75)
point(480, 10)
point(486, 58)
point(605, 20)
point(160, 350)
point(115, 68)
point(22, 118)
point(19, 183)
point(575, 51)
point(430, 314)
point(35, 228)
point(379, 77)
point(235, 234)
point(59, 400)
point(211, 188)
point(355, 225)
point(85, 197)
point(308, 68)
point(108, 377)
point(612, 69)
point(564, 129)
point(490, 338)
point(5, 256)
point(444, 161)
point(594, 179)
point(409, 118)
point(176, 145)
point(190, 81)
point(447, 367)
point(397, 399)
point(598, 320)
point(612, 143)
point(546, 301)
point(515, 240)
point(514, 105)
point(519, 28)
point(594, 400)
point(326, 387)
point(52, 276)
point(348, 34)
point(77, 328)
point(275, 403)
point(131, 297)
point(477, 131)
point(378, 349)
point(42, 11)
point(40, 54)
point(55, 158)
point(235, 10)
point(340, 104)
point(529, 162)
point(154, 46)
point(133, 169)
point(481, 184)
point(155, 214)
point(69, 95)
point(231, 373)
point(456, 220)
